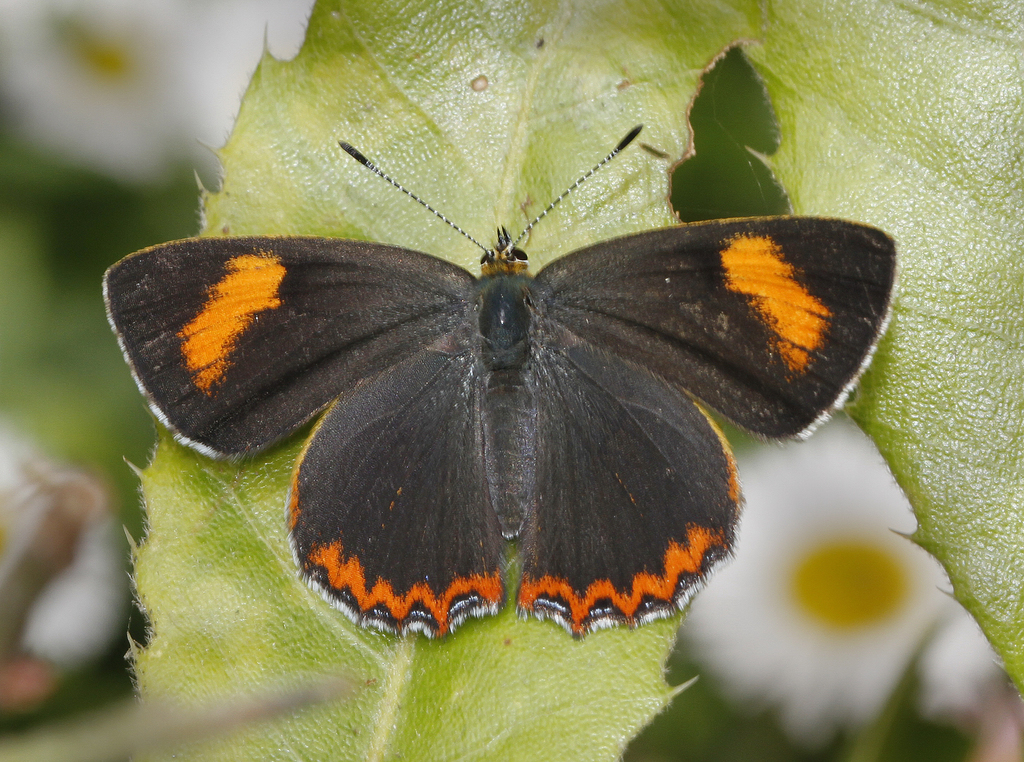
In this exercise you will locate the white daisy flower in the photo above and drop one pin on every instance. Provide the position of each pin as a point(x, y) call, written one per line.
point(824, 605)
point(127, 86)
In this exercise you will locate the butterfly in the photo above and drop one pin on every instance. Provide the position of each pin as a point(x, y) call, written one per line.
point(564, 410)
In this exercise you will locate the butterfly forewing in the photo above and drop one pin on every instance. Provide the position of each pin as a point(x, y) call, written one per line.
point(237, 341)
point(768, 321)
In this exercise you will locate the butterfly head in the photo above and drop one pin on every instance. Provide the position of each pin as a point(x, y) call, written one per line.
point(504, 258)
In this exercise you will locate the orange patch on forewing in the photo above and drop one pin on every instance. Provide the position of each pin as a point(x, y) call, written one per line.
point(755, 266)
point(249, 287)
point(679, 559)
point(348, 574)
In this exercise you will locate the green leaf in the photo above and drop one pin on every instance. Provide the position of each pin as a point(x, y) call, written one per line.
point(403, 83)
point(909, 116)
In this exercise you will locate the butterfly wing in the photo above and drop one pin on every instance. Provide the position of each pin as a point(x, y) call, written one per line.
point(636, 494)
point(769, 320)
point(237, 341)
point(389, 515)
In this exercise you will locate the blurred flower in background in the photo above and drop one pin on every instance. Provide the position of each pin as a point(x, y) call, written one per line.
point(128, 86)
point(62, 579)
point(825, 607)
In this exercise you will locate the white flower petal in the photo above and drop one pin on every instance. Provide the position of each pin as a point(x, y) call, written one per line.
point(958, 669)
point(77, 615)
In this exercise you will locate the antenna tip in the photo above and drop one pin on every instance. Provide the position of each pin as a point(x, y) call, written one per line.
point(354, 153)
point(631, 135)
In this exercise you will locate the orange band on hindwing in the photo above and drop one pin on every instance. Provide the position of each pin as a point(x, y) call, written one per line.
point(678, 560)
point(348, 574)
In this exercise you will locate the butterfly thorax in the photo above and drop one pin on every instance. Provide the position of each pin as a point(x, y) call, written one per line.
point(505, 321)
point(504, 305)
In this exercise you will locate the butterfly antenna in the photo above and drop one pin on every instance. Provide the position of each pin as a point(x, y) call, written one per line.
point(615, 152)
point(370, 166)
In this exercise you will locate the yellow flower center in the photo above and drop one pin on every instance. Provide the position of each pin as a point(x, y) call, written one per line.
point(848, 584)
point(109, 57)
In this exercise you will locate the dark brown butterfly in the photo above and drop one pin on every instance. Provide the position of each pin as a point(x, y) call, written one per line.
point(460, 412)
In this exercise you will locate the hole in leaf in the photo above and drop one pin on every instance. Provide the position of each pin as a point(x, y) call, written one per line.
point(733, 121)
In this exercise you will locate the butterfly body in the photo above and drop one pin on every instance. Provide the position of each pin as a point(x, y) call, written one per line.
point(508, 396)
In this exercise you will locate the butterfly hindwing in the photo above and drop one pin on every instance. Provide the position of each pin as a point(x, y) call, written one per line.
point(636, 494)
point(237, 341)
point(389, 514)
point(767, 320)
